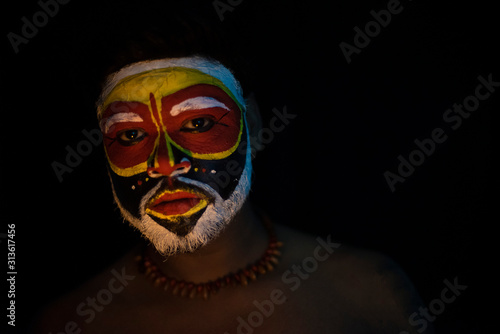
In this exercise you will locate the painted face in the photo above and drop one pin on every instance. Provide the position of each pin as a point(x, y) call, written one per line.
point(177, 148)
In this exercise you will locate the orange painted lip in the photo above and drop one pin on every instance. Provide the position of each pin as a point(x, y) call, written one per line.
point(174, 203)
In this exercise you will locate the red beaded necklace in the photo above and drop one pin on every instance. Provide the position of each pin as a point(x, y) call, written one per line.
point(242, 277)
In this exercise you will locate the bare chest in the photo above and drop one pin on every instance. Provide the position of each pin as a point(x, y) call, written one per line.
point(273, 309)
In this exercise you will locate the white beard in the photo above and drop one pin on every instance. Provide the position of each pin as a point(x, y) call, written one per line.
point(218, 214)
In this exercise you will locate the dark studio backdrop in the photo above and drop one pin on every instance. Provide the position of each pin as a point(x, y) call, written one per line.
point(350, 114)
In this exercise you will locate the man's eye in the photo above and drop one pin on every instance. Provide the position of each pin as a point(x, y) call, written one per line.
point(130, 137)
point(198, 125)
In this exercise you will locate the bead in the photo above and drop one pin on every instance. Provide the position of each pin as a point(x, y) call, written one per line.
point(178, 288)
point(158, 281)
point(269, 266)
point(170, 285)
point(243, 280)
point(186, 289)
point(204, 292)
point(192, 292)
point(198, 290)
point(261, 270)
point(252, 275)
point(212, 288)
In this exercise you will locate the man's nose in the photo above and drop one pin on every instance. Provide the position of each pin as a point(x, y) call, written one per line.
point(165, 165)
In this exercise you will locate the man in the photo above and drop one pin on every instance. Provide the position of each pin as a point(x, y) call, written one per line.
point(177, 141)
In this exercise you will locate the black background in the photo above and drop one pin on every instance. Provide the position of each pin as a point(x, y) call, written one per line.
point(322, 174)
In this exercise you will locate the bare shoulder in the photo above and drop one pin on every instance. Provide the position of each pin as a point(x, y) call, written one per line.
point(72, 312)
point(343, 264)
point(365, 286)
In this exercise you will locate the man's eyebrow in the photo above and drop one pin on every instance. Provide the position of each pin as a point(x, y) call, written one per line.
point(106, 123)
point(199, 102)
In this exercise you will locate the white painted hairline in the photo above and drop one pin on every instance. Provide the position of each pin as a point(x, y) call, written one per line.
point(210, 67)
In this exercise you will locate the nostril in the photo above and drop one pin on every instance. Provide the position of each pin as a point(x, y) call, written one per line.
point(164, 169)
point(153, 173)
point(183, 167)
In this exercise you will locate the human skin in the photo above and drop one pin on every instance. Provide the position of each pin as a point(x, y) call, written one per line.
point(347, 290)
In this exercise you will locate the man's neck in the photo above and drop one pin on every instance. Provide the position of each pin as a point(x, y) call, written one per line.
point(242, 242)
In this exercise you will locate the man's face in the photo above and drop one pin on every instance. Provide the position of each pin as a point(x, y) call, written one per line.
point(177, 150)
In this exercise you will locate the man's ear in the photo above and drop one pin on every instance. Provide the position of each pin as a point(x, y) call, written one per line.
point(253, 117)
